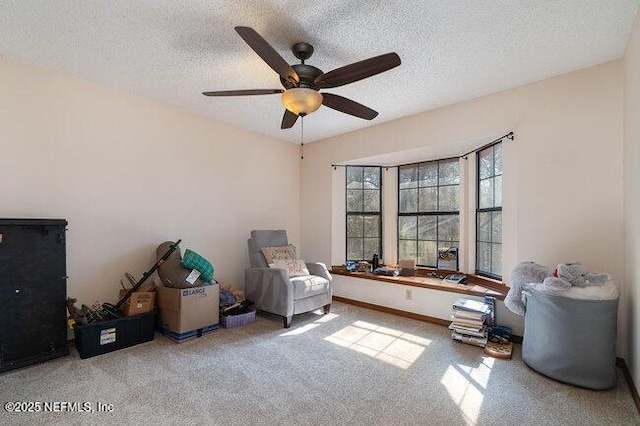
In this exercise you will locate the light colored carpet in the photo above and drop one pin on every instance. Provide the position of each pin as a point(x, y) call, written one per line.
point(353, 366)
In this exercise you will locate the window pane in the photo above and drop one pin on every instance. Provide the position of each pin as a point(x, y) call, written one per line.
point(408, 200)
point(427, 228)
point(498, 192)
point(427, 253)
point(438, 191)
point(486, 193)
point(407, 227)
point(448, 198)
point(371, 200)
point(496, 227)
point(428, 174)
point(354, 177)
point(497, 157)
point(484, 226)
point(485, 163)
point(449, 172)
point(496, 259)
point(371, 177)
point(428, 199)
point(408, 177)
point(354, 249)
point(484, 257)
point(407, 249)
point(489, 223)
point(354, 200)
point(354, 226)
point(363, 194)
point(449, 228)
point(372, 226)
point(371, 247)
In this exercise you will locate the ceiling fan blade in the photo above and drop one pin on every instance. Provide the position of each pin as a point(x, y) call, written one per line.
point(348, 106)
point(358, 71)
point(243, 92)
point(267, 53)
point(288, 119)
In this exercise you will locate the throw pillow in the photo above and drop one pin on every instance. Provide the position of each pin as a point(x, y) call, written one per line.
point(272, 254)
point(294, 267)
point(193, 260)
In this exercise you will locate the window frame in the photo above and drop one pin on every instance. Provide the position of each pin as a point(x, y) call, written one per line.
point(363, 213)
point(417, 214)
point(492, 210)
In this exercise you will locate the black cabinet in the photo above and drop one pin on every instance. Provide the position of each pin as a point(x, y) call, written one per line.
point(33, 291)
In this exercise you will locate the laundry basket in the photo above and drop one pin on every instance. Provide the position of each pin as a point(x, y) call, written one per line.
point(571, 340)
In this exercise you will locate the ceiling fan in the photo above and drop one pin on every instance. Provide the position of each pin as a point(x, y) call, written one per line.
point(302, 82)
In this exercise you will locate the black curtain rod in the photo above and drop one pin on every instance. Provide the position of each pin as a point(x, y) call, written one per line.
point(335, 166)
point(507, 136)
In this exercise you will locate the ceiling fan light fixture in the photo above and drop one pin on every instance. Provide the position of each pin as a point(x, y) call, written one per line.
point(301, 100)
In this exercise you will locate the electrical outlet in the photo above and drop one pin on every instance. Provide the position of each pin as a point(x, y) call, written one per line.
point(408, 294)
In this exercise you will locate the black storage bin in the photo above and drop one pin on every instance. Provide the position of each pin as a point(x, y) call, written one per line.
point(108, 336)
point(33, 291)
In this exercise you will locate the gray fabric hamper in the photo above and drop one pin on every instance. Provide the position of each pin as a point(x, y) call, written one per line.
point(571, 340)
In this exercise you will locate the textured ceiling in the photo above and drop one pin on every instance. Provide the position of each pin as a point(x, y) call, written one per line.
point(172, 50)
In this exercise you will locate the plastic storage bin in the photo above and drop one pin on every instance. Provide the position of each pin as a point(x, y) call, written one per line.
point(571, 340)
point(229, 321)
point(108, 336)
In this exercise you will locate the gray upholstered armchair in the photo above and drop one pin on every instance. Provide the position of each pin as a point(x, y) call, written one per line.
point(273, 290)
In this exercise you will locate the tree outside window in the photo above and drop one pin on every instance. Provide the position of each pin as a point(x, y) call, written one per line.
point(364, 212)
point(428, 210)
point(489, 212)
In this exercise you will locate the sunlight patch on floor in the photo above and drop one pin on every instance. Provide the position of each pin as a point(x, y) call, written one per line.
point(303, 329)
point(386, 344)
point(466, 384)
point(327, 318)
point(300, 330)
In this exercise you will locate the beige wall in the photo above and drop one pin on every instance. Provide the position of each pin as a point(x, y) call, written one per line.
point(128, 174)
point(632, 199)
point(563, 190)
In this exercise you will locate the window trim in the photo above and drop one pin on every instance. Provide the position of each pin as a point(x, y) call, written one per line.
point(348, 213)
point(485, 210)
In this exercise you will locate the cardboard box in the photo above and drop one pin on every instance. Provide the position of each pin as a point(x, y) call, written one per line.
point(182, 310)
point(140, 302)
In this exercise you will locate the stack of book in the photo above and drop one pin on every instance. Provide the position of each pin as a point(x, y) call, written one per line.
point(470, 320)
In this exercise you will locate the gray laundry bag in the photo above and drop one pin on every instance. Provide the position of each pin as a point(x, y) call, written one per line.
point(571, 340)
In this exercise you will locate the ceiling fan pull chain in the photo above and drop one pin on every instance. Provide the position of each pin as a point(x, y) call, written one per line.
point(302, 137)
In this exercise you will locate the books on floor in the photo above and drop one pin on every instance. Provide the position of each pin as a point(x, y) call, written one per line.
point(471, 305)
point(470, 319)
point(470, 340)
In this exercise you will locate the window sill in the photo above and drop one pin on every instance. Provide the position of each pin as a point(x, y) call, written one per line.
point(476, 285)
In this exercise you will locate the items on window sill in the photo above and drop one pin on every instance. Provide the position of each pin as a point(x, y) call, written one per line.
point(435, 275)
point(407, 267)
point(363, 266)
point(455, 279)
point(375, 262)
point(448, 258)
point(386, 271)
